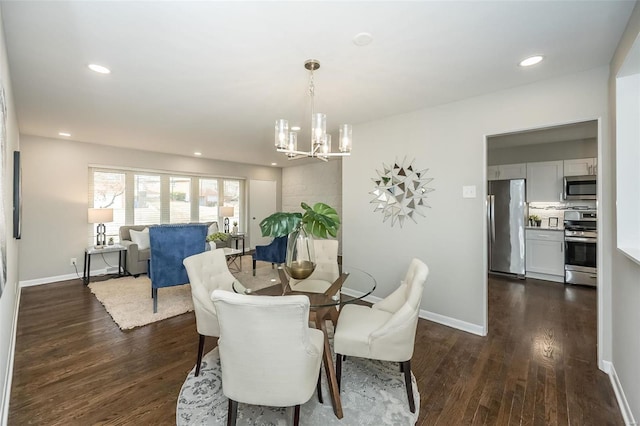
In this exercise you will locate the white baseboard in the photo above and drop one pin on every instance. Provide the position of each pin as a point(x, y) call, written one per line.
point(627, 415)
point(9, 370)
point(454, 323)
point(431, 316)
point(546, 277)
point(55, 279)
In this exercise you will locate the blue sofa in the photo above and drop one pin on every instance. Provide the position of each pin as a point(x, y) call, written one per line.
point(170, 245)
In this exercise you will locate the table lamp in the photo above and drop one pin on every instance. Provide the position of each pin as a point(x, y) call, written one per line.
point(100, 216)
point(226, 212)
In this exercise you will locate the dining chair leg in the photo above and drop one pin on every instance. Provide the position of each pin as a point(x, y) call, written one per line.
point(338, 370)
point(232, 414)
point(296, 415)
point(200, 350)
point(319, 386)
point(254, 267)
point(406, 367)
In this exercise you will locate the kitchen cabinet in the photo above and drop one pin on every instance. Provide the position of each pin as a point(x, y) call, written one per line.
point(545, 254)
point(581, 166)
point(544, 181)
point(507, 171)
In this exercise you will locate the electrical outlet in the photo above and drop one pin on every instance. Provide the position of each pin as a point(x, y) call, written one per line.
point(72, 261)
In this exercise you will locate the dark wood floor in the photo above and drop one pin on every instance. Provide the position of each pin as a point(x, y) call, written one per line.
point(537, 366)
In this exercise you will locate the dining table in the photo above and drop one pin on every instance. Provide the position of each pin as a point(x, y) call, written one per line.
point(326, 298)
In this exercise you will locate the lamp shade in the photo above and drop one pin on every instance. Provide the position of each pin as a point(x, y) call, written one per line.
point(100, 215)
point(226, 211)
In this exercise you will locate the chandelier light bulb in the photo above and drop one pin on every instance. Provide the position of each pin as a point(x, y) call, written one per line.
point(345, 138)
point(282, 132)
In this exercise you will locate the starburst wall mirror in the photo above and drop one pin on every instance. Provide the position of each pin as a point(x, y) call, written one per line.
point(400, 192)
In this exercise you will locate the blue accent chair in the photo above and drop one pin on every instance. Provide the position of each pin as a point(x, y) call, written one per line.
point(170, 245)
point(275, 252)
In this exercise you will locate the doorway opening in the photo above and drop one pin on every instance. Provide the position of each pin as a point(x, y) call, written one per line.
point(528, 236)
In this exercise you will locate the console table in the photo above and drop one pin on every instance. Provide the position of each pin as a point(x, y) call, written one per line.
point(89, 251)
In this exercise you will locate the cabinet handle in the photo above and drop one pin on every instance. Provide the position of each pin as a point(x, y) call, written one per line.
point(561, 247)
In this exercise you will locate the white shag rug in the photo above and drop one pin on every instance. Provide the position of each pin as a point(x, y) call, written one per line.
point(128, 300)
point(373, 393)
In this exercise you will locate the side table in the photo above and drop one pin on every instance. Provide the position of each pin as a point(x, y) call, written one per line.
point(238, 237)
point(122, 259)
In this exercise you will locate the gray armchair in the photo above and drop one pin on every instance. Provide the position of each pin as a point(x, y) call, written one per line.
point(136, 258)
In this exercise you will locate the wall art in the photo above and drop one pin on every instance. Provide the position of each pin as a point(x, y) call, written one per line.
point(400, 192)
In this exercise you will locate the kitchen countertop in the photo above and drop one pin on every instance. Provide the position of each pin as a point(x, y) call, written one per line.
point(544, 228)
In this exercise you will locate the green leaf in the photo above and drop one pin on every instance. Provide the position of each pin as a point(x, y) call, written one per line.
point(280, 224)
point(320, 220)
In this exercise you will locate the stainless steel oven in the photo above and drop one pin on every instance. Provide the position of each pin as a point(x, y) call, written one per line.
point(581, 242)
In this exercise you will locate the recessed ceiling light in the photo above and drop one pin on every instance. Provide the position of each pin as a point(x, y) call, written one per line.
point(197, 153)
point(274, 164)
point(532, 60)
point(65, 134)
point(362, 39)
point(295, 128)
point(99, 69)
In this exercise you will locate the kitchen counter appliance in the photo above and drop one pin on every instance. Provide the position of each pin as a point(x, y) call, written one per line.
point(580, 187)
point(506, 205)
point(580, 241)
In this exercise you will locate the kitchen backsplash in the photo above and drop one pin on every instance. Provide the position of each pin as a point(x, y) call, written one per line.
point(548, 211)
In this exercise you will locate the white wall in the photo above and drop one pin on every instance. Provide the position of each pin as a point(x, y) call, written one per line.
point(55, 187)
point(450, 141)
point(9, 299)
point(312, 183)
point(626, 274)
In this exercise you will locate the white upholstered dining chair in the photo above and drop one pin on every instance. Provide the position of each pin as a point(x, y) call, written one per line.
point(207, 271)
point(268, 354)
point(386, 331)
point(326, 272)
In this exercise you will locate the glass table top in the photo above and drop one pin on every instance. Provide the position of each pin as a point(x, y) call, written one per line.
point(352, 285)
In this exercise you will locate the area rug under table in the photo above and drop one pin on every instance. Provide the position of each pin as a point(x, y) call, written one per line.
point(373, 393)
point(128, 300)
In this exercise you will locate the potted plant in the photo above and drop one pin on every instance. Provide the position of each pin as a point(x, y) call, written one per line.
point(534, 220)
point(218, 236)
point(319, 221)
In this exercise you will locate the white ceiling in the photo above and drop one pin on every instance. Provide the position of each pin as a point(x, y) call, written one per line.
point(214, 76)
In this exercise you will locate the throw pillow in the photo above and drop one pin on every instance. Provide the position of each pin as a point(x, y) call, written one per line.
point(213, 228)
point(141, 238)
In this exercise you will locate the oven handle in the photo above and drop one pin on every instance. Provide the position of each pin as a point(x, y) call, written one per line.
point(580, 240)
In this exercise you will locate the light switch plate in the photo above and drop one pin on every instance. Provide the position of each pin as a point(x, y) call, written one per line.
point(469, 191)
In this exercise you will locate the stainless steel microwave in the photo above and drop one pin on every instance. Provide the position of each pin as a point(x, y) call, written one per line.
point(580, 187)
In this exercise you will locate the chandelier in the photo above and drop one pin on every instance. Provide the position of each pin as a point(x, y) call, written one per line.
point(287, 141)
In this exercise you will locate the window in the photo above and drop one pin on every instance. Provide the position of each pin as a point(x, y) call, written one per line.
point(109, 192)
point(149, 198)
point(146, 204)
point(179, 196)
point(208, 200)
point(232, 198)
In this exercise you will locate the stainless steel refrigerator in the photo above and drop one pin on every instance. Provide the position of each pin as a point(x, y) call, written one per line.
point(506, 209)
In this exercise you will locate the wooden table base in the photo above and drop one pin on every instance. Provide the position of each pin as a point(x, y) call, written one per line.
point(320, 315)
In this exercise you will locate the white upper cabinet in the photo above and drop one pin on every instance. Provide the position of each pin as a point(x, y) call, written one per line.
point(544, 181)
point(507, 171)
point(581, 166)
